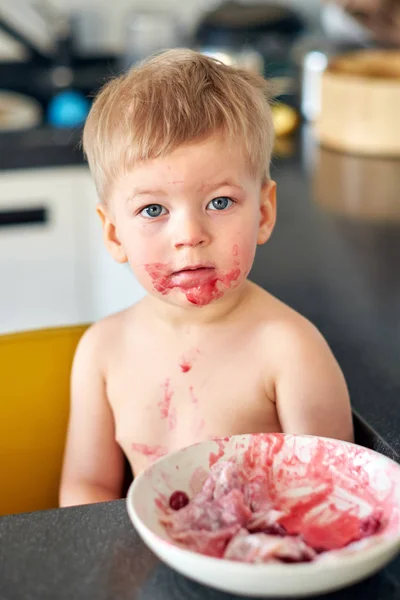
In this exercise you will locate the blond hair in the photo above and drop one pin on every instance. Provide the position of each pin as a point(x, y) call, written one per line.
point(174, 98)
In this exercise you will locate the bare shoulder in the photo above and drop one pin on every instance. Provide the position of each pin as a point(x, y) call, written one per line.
point(285, 329)
point(310, 390)
point(296, 336)
point(102, 338)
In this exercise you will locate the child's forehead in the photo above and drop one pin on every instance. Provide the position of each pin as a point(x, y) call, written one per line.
point(201, 163)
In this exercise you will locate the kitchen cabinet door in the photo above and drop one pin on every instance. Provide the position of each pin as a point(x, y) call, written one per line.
point(54, 269)
point(37, 259)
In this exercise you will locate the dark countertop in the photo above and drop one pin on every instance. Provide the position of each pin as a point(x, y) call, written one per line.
point(335, 261)
point(93, 553)
point(335, 258)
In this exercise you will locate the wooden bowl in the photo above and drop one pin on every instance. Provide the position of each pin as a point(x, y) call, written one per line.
point(357, 187)
point(360, 103)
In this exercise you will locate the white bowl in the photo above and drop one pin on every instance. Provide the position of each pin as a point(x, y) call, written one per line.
point(362, 479)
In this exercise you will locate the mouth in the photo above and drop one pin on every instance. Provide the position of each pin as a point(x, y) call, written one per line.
point(192, 276)
point(194, 269)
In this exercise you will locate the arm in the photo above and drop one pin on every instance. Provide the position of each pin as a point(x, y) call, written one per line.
point(93, 462)
point(311, 393)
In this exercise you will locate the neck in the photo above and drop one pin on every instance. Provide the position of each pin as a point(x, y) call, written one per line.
point(218, 311)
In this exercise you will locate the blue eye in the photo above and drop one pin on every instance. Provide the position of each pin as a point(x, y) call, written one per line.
point(221, 203)
point(153, 211)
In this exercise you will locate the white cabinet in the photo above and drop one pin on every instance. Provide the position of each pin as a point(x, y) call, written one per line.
point(56, 272)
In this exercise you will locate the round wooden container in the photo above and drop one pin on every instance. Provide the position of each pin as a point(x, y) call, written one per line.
point(357, 187)
point(360, 103)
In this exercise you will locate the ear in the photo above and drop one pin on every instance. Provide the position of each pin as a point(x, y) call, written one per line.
point(110, 236)
point(267, 211)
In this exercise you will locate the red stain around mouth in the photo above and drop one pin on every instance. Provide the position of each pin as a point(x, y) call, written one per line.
point(152, 452)
point(159, 273)
point(209, 290)
point(198, 293)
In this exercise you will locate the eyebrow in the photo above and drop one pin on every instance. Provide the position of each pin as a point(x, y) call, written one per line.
point(219, 184)
point(145, 192)
point(205, 188)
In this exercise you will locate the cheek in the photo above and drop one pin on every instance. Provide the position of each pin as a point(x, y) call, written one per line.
point(143, 248)
point(243, 242)
point(243, 256)
point(142, 244)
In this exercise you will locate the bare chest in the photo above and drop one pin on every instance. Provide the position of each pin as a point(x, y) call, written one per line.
point(162, 403)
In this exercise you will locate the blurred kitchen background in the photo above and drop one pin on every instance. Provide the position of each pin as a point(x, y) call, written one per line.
point(55, 55)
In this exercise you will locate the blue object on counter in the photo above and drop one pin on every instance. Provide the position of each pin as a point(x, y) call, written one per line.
point(68, 109)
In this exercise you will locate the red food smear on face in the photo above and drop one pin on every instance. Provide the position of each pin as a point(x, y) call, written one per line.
point(152, 451)
point(185, 366)
point(235, 250)
point(209, 287)
point(159, 273)
point(209, 291)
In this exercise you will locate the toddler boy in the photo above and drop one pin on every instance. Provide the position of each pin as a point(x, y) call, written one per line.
point(179, 148)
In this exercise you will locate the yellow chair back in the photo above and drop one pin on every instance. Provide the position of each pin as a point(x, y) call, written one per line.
point(34, 405)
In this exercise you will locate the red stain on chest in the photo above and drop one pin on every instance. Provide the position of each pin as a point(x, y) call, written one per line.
point(188, 359)
point(193, 397)
point(198, 423)
point(172, 419)
point(185, 366)
point(166, 410)
point(165, 403)
point(151, 451)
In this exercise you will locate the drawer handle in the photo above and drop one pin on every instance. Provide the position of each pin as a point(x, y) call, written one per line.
point(24, 216)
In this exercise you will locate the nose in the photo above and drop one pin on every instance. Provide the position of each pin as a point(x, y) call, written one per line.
point(190, 231)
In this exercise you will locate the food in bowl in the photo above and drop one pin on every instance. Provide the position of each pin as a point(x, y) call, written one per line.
point(248, 511)
point(234, 517)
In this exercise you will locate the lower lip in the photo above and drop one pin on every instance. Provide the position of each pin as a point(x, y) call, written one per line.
point(201, 286)
point(191, 278)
